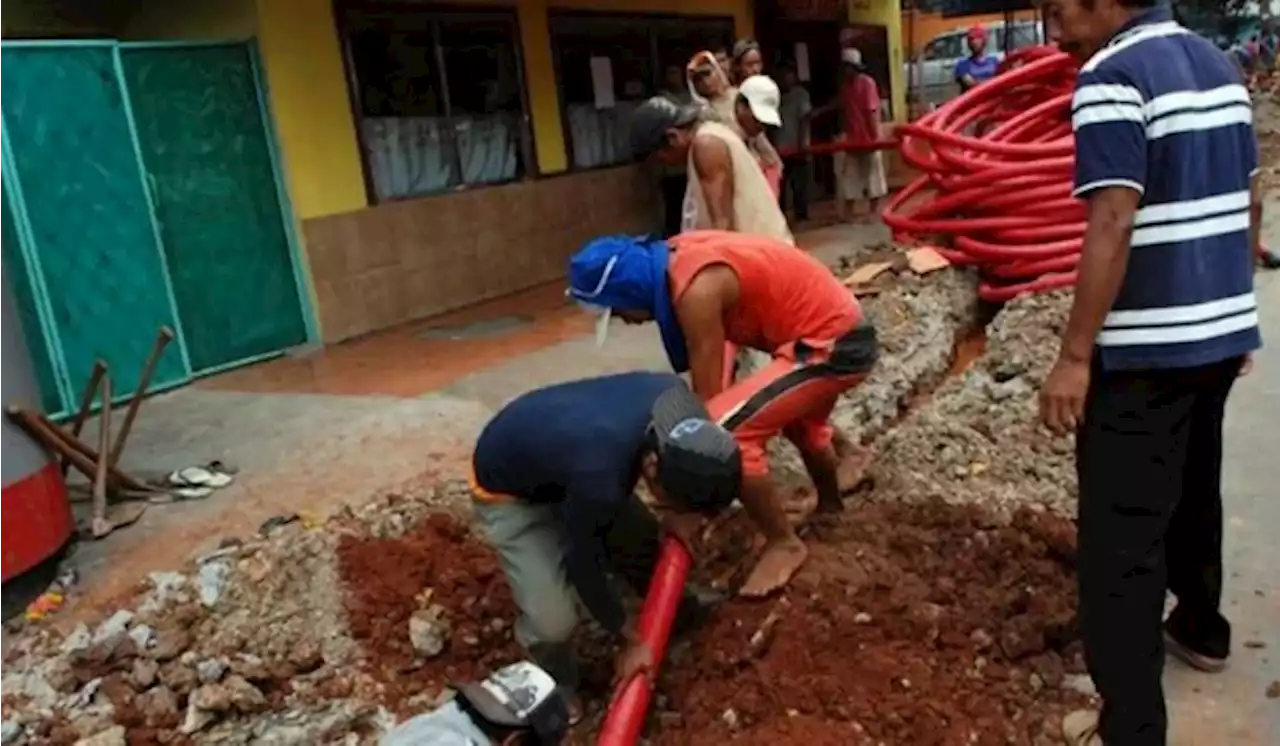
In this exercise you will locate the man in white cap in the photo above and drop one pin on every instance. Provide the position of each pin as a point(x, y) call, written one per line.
point(756, 111)
point(859, 174)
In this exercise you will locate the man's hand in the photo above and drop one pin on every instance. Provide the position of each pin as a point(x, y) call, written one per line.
point(634, 660)
point(1063, 393)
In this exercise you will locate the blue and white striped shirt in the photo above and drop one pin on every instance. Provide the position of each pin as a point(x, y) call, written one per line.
point(1161, 110)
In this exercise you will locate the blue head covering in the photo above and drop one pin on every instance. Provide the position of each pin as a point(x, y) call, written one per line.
point(629, 273)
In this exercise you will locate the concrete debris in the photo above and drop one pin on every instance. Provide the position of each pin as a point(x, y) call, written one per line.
point(79, 639)
point(211, 671)
point(429, 630)
point(10, 732)
point(142, 636)
point(211, 580)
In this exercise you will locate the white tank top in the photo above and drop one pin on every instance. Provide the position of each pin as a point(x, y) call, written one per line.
point(755, 210)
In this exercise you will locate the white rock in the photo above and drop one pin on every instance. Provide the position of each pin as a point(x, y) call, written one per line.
point(114, 626)
point(1080, 682)
point(730, 718)
point(862, 617)
point(210, 671)
point(429, 630)
point(79, 639)
point(142, 636)
point(211, 581)
point(196, 719)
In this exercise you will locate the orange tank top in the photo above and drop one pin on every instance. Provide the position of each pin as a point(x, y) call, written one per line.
point(785, 295)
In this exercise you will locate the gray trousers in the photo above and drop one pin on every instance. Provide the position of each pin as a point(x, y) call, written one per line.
point(532, 546)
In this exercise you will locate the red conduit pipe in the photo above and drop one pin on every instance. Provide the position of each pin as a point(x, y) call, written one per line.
point(1000, 200)
point(625, 719)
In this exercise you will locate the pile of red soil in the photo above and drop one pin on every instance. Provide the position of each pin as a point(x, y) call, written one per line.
point(911, 624)
point(383, 579)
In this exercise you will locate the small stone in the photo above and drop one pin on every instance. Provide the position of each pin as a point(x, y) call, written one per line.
point(170, 642)
point(1036, 681)
point(178, 677)
point(196, 719)
point(113, 627)
point(862, 617)
point(1273, 690)
point(1080, 682)
point(305, 656)
point(251, 668)
point(1255, 644)
point(211, 581)
point(981, 639)
point(210, 671)
point(730, 718)
point(80, 639)
point(113, 736)
point(158, 705)
point(144, 673)
point(142, 636)
point(429, 631)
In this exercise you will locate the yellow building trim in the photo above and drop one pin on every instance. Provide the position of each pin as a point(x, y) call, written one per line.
point(887, 13)
point(307, 84)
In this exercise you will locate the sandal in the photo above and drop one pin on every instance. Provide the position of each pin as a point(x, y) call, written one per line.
point(199, 476)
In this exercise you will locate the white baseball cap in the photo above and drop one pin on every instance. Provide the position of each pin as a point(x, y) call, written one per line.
point(851, 56)
point(763, 97)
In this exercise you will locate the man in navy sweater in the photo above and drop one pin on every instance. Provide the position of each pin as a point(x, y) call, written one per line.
point(553, 480)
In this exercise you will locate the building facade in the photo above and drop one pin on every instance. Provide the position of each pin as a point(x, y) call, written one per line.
point(439, 154)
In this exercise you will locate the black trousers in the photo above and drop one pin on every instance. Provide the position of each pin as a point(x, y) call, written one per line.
point(1149, 462)
point(796, 175)
point(673, 188)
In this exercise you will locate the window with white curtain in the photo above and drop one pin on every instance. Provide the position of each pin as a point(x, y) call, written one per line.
point(639, 50)
point(438, 97)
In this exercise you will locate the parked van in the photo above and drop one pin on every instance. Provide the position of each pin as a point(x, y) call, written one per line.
point(933, 74)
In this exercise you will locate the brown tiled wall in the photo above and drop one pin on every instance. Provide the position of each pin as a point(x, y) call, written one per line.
point(401, 261)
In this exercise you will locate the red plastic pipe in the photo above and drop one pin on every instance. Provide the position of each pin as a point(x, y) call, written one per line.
point(625, 719)
point(997, 167)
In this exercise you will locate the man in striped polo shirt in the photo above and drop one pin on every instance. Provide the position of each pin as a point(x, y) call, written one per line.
point(1163, 321)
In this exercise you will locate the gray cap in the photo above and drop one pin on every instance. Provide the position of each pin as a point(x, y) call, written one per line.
point(652, 119)
point(699, 463)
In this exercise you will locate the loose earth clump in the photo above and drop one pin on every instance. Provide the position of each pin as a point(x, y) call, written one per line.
point(436, 569)
point(922, 624)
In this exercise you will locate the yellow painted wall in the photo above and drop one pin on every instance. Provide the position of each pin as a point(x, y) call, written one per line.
point(886, 13)
point(307, 87)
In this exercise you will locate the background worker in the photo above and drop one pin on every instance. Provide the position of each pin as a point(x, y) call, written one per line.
point(1163, 320)
point(554, 474)
point(707, 288)
point(711, 84)
point(757, 112)
point(673, 178)
point(793, 135)
point(747, 60)
point(726, 188)
point(979, 66)
point(859, 174)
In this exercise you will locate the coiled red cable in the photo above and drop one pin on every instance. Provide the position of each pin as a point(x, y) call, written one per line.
point(999, 200)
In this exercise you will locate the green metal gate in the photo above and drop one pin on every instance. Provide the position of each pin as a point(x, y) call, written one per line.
point(210, 167)
point(140, 190)
point(93, 241)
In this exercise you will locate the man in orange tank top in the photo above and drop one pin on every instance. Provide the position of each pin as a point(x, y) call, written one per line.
point(706, 288)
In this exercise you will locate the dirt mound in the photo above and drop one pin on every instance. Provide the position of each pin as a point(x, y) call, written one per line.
point(435, 564)
point(912, 624)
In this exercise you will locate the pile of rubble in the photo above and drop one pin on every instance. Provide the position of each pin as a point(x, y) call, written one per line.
point(978, 440)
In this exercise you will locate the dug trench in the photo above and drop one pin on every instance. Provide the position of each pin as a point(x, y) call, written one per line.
point(916, 621)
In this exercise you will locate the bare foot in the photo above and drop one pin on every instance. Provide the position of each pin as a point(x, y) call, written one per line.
point(775, 567)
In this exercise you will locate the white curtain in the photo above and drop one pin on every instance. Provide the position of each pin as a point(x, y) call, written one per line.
point(600, 137)
point(412, 155)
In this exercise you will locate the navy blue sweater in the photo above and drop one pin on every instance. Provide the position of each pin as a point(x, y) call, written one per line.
point(576, 446)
